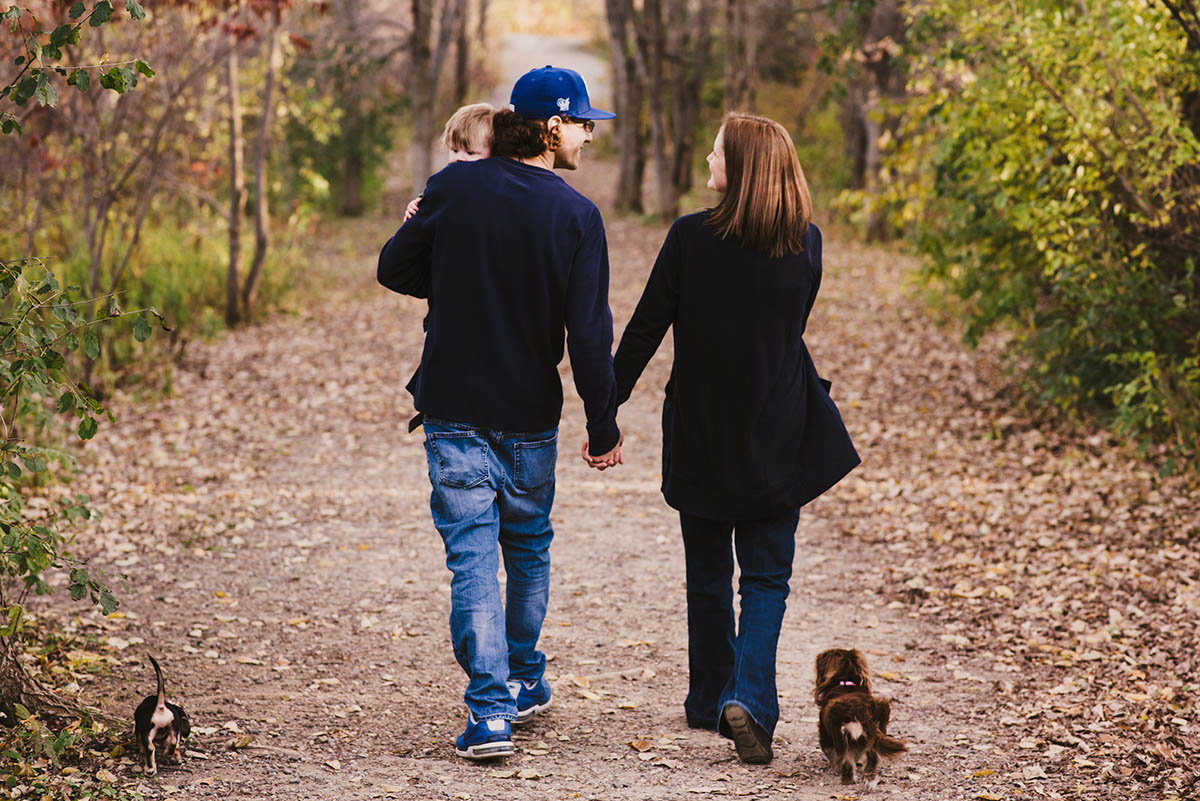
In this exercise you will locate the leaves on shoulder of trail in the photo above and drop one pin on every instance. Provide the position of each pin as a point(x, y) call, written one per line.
point(1041, 547)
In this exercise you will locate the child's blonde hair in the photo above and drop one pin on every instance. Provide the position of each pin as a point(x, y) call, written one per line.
point(468, 127)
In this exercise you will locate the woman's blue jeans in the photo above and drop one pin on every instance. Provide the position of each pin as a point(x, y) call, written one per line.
point(492, 492)
point(729, 665)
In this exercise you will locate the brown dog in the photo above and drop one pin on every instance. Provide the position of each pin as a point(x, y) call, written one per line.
point(853, 723)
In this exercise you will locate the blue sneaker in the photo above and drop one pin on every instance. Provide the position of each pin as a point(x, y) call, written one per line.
point(531, 697)
point(485, 739)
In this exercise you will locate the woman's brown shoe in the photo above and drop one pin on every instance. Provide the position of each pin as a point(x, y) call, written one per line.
point(752, 743)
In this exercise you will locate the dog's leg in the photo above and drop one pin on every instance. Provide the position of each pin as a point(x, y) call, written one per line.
point(151, 763)
point(871, 773)
point(144, 748)
point(827, 745)
point(847, 769)
point(171, 748)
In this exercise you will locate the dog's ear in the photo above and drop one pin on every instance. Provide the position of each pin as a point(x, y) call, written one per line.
point(827, 666)
point(856, 662)
point(185, 725)
point(883, 712)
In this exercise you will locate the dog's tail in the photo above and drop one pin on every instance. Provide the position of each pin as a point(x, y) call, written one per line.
point(889, 746)
point(162, 695)
point(854, 734)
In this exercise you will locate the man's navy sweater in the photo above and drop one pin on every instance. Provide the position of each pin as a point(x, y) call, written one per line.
point(509, 256)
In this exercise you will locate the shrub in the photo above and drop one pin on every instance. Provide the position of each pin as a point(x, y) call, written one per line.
point(1048, 172)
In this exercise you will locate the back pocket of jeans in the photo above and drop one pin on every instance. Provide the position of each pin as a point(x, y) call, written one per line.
point(534, 463)
point(462, 458)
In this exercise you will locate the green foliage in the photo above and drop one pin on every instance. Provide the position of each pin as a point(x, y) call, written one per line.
point(42, 759)
point(338, 135)
point(1047, 172)
point(41, 325)
point(42, 54)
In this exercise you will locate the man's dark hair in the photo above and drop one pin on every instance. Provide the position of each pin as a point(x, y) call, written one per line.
point(515, 137)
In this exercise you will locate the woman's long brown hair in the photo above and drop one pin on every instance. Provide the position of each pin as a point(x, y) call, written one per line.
point(766, 205)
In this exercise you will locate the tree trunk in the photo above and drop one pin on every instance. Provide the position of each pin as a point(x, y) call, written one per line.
point(627, 97)
point(237, 189)
point(351, 203)
point(884, 31)
point(421, 160)
point(353, 163)
point(736, 79)
point(262, 218)
point(427, 66)
point(692, 61)
point(462, 56)
point(652, 45)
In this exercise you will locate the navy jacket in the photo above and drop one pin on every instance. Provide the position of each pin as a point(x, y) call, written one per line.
point(509, 256)
point(749, 430)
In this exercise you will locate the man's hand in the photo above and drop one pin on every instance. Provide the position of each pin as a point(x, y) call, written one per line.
point(412, 208)
point(606, 460)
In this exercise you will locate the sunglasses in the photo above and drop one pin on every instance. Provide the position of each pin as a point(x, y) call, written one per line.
point(588, 125)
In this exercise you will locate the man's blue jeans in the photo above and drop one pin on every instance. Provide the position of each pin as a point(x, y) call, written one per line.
point(728, 665)
point(492, 491)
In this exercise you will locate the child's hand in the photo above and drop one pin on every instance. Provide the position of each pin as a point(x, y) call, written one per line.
point(412, 208)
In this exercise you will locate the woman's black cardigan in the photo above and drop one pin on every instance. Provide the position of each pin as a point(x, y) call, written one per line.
point(749, 430)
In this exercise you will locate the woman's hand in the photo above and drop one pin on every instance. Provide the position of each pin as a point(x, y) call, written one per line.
point(606, 460)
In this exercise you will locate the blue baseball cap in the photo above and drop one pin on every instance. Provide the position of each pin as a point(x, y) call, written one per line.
point(553, 91)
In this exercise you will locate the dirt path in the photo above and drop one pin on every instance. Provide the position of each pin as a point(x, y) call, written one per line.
point(272, 519)
point(282, 564)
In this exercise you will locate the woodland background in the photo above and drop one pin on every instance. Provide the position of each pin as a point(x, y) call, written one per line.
point(179, 161)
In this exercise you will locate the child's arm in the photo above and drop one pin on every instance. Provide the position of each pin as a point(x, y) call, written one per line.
point(412, 207)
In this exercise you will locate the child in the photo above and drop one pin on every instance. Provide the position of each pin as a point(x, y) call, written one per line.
point(468, 137)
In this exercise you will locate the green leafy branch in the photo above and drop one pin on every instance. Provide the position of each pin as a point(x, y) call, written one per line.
point(42, 323)
point(42, 53)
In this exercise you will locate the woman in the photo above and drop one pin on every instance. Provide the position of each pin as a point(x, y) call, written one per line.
point(749, 432)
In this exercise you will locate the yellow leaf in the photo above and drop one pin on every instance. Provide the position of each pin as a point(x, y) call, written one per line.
point(979, 774)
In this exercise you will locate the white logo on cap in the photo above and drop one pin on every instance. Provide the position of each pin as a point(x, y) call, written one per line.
point(564, 103)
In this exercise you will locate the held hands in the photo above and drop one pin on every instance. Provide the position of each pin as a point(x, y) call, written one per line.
point(606, 460)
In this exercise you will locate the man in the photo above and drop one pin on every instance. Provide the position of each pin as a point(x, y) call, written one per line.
point(509, 256)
